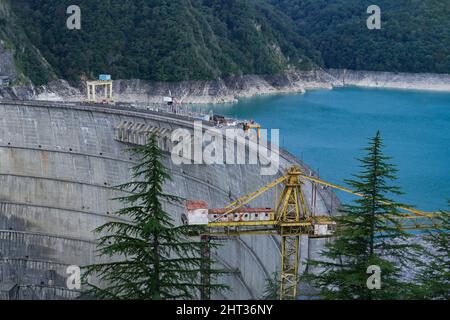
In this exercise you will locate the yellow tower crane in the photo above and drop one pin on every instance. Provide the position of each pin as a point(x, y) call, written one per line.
point(290, 218)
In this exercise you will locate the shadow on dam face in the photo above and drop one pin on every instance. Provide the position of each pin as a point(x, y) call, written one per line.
point(58, 163)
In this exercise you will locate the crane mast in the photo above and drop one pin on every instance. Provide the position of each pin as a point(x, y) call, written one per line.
point(291, 210)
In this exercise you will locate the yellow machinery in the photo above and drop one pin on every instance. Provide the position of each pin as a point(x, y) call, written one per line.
point(252, 125)
point(290, 219)
point(91, 90)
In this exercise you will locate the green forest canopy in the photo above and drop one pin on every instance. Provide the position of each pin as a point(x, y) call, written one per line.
point(174, 40)
point(414, 35)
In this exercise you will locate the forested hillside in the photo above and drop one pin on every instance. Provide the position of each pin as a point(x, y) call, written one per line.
point(28, 60)
point(167, 40)
point(173, 40)
point(414, 35)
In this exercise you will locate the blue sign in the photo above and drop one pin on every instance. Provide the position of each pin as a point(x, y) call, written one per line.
point(104, 77)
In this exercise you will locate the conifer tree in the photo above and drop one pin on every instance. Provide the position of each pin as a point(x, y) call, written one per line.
point(368, 234)
point(433, 279)
point(152, 258)
point(272, 287)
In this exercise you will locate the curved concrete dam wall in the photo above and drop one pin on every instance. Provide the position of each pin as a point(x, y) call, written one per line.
point(58, 163)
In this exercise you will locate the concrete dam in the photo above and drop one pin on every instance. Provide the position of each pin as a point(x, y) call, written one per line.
point(58, 164)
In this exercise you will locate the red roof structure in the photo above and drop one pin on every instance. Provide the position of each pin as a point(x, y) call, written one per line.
point(196, 204)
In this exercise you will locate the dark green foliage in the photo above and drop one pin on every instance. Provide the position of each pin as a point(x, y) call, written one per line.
point(368, 233)
point(166, 40)
point(207, 39)
point(27, 58)
point(272, 287)
point(152, 258)
point(415, 35)
point(433, 279)
point(174, 40)
point(29, 62)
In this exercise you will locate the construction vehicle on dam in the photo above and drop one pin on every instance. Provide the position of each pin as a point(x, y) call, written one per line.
point(290, 218)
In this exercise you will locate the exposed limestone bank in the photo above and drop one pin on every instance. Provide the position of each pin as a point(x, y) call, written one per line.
point(231, 89)
point(392, 80)
point(202, 92)
point(222, 90)
point(58, 90)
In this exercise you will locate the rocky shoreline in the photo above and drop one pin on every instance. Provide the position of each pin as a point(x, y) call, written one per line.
point(231, 89)
point(391, 80)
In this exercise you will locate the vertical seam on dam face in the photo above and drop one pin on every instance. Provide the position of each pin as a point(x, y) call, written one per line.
point(58, 163)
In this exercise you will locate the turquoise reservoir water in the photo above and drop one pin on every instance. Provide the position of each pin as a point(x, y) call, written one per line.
point(328, 129)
